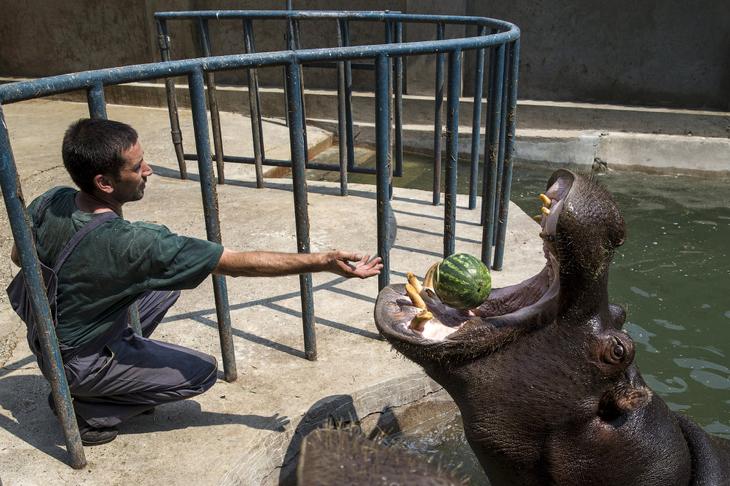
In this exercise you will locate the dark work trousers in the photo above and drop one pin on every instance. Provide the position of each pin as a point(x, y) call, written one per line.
point(120, 374)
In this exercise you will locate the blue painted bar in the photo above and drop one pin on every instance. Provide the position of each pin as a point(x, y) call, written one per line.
point(212, 221)
point(341, 117)
point(22, 235)
point(382, 161)
point(299, 183)
point(476, 122)
point(24, 90)
point(398, 115)
point(254, 104)
point(494, 108)
point(452, 148)
point(163, 40)
point(438, 105)
point(286, 163)
point(509, 153)
point(344, 27)
point(95, 100)
point(294, 45)
point(215, 118)
point(502, 136)
point(365, 16)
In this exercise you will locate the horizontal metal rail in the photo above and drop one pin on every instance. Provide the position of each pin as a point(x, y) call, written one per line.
point(501, 44)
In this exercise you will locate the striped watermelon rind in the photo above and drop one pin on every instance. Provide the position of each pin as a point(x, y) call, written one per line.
point(462, 281)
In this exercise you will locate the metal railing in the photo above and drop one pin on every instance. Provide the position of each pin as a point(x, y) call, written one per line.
point(502, 41)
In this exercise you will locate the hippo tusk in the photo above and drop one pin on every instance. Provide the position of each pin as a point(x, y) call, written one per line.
point(419, 322)
point(415, 297)
point(414, 282)
point(545, 200)
point(545, 210)
point(428, 279)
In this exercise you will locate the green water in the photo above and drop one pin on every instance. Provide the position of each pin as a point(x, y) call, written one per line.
point(672, 276)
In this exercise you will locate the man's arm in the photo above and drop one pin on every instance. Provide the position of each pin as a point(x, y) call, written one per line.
point(273, 264)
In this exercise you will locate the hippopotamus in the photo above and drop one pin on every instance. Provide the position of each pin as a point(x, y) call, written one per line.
point(542, 372)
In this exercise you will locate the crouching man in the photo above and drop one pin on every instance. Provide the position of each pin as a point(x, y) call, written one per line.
point(113, 373)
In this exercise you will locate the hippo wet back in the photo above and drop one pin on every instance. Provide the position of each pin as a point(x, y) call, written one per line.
point(544, 375)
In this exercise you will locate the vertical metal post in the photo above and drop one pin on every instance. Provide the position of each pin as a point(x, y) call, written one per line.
point(502, 136)
point(299, 183)
point(476, 122)
point(21, 230)
point(97, 109)
point(509, 153)
point(212, 221)
point(452, 146)
point(494, 108)
point(382, 169)
point(398, 87)
point(254, 104)
point(341, 117)
point(95, 100)
point(295, 44)
point(215, 119)
point(164, 41)
point(388, 39)
point(439, 100)
point(344, 27)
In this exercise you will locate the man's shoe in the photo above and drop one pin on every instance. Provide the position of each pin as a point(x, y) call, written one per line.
point(93, 437)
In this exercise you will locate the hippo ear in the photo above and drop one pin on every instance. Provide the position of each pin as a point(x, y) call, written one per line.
point(621, 400)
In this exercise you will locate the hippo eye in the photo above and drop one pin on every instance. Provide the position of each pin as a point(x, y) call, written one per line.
point(614, 352)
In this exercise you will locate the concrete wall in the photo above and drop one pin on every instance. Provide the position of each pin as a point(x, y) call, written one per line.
point(628, 52)
point(657, 53)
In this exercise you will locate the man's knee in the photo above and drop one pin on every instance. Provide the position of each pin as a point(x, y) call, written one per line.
point(210, 374)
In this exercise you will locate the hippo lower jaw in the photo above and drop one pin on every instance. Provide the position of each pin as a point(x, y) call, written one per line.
point(523, 306)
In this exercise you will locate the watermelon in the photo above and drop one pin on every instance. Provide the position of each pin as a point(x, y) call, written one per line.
point(462, 281)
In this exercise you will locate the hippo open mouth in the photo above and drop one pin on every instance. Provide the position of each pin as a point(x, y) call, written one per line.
point(521, 307)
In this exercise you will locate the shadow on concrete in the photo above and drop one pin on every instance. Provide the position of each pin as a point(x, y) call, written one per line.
point(205, 316)
point(439, 218)
point(36, 425)
point(335, 412)
point(9, 368)
point(187, 413)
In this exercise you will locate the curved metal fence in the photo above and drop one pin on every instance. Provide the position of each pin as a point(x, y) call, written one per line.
point(500, 38)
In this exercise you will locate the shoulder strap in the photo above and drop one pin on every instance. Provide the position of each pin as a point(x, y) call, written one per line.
point(79, 235)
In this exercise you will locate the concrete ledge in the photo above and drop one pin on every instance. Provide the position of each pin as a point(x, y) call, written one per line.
point(613, 150)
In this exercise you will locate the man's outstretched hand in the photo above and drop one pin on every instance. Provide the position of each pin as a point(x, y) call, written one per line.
point(352, 265)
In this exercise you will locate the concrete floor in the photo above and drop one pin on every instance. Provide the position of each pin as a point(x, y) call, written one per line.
point(236, 433)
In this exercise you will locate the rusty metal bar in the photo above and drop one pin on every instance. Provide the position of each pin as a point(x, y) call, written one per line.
point(22, 235)
point(254, 104)
point(301, 212)
point(215, 117)
point(212, 221)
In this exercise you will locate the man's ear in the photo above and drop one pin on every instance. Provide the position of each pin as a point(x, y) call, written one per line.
point(103, 183)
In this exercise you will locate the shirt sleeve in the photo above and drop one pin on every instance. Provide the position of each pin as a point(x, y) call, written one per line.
point(167, 261)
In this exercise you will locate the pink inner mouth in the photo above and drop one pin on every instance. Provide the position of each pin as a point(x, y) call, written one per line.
point(502, 301)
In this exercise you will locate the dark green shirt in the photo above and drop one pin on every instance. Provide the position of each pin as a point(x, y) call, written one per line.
point(112, 265)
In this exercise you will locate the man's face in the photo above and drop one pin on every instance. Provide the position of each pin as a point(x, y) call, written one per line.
point(129, 184)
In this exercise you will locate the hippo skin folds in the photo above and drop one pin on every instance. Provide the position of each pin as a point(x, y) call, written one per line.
point(542, 372)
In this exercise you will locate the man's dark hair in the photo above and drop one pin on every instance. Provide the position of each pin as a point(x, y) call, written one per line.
point(94, 146)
